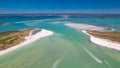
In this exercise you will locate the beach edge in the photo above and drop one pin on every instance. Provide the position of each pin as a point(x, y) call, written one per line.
point(30, 39)
point(103, 42)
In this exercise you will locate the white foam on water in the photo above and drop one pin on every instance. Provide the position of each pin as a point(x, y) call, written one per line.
point(107, 63)
point(92, 55)
point(56, 63)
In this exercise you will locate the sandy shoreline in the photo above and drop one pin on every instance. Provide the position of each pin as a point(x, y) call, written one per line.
point(83, 26)
point(96, 40)
point(103, 42)
point(29, 39)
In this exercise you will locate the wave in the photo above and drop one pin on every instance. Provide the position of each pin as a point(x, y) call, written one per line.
point(93, 56)
point(107, 63)
point(57, 62)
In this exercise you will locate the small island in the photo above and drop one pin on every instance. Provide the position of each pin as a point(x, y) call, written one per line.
point(12, 40)
point(112, 36)
point(83, 26)
point(104, 36)
point(107, 39)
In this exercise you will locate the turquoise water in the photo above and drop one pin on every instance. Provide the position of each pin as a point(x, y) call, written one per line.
point(67, 48)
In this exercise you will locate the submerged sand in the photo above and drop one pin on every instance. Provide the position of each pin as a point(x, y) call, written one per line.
point(84, 26)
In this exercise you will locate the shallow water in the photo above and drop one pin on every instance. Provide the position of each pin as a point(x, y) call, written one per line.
point(67, 48)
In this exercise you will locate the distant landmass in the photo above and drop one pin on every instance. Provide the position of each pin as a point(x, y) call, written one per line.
point(58, 14)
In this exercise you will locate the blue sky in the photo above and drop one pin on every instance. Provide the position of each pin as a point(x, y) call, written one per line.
point(60, 6)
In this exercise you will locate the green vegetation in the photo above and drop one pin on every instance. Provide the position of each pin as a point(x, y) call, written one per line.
point(12, 38)
point(113, 36)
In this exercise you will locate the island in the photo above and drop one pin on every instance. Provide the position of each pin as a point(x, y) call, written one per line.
point(104, 36)
point(12, 40)
point(83, 26)
point(106, 39)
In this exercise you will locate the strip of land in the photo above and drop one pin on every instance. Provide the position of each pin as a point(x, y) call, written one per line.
point(87, 26)
point(84, 26)
point(106, 39)
point(99, 36)
point(12, 40)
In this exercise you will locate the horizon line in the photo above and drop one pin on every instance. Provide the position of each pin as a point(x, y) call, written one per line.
point(54, 13)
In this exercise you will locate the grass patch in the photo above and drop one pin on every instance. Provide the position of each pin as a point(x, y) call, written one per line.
point(113, 36)
point(12, 38)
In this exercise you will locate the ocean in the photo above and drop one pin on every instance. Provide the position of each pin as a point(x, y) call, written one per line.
point(66, 48)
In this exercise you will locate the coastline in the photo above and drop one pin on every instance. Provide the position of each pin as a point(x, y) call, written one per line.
point(103, 42)
point(84, 26)
point(99, 41)
point(29, 39)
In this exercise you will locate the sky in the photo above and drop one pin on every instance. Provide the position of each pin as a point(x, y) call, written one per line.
point(60, 6)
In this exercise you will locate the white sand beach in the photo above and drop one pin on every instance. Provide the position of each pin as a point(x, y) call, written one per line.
point(29, 39)
point(96, 40)
point(103, 42)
